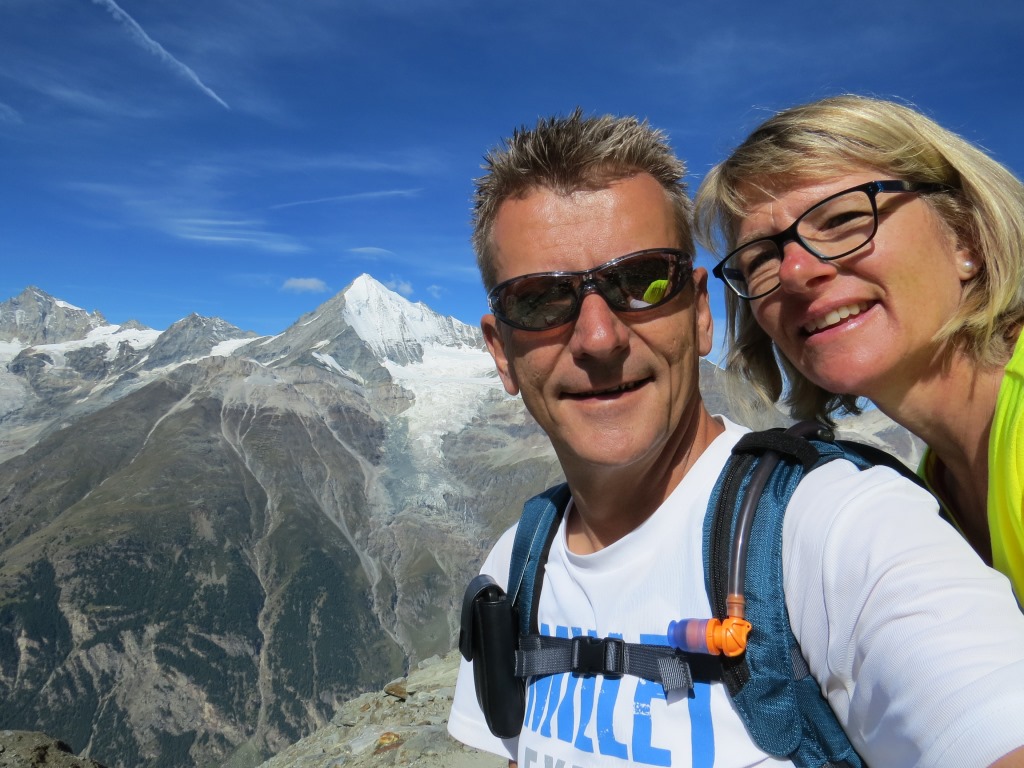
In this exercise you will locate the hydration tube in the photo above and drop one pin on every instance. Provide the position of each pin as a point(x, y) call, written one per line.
point(728, 636)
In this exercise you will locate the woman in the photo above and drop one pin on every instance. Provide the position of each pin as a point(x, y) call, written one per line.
point(871, 253)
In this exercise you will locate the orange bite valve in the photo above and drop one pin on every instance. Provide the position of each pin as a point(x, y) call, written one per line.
point(728, 636)
point(713, 636)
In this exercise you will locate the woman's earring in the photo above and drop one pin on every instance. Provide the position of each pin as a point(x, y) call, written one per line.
point(968, 268)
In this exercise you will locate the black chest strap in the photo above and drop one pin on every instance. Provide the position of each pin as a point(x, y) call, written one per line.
point(611, 657)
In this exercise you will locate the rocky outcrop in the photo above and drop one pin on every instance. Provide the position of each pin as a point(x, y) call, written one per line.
point(401, 724)
point(29, 749)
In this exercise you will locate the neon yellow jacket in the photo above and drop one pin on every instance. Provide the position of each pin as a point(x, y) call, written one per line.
point(1005, 501)
point(1006, 475)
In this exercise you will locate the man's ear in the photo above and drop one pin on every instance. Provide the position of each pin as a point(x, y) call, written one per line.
point(496, 336)
point(705, 324)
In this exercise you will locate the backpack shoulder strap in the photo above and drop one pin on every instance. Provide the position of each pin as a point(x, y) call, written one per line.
point(490, 630)
point(534, 534)
point(770, 684)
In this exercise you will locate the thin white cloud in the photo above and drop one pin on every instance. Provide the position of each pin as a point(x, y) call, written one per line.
point(232, 232)
point(436, 291)
point(9, 115)
point(417, 161)
point(351, 197)
point(88, 102)
point(400, 286)
point(371, 251)
point(190, 213)
point(305, 285)
point(139, 35)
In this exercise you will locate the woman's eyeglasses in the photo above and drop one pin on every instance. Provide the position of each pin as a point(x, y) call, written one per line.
point(837, 226)
point(631, 283)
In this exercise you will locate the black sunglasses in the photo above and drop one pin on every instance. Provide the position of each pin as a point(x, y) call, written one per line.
point(631, 283)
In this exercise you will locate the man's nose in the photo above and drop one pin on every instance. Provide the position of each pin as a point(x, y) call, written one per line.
point(800, 270)
point(598, 331)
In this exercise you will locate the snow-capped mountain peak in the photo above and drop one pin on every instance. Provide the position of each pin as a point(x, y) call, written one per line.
point(389, 323)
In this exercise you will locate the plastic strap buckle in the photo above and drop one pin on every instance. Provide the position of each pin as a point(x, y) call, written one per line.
point(593, 656)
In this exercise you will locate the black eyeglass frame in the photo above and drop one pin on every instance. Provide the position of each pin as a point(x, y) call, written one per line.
point(790, 233)
point(586, 281)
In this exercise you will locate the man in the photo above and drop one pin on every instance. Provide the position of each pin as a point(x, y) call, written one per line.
point(918, 647)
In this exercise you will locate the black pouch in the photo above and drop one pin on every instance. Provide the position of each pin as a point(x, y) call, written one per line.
point(488, 638)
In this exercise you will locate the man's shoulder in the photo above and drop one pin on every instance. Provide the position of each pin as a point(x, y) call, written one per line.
point(497, 562)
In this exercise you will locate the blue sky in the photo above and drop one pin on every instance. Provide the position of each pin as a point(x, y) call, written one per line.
point(248, 159)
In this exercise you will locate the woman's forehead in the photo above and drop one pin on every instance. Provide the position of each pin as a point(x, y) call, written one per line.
point(769, 187)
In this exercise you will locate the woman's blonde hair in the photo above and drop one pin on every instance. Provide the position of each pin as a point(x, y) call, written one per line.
point(984, 209)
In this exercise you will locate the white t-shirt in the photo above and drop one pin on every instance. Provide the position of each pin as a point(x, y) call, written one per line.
point(917, 645)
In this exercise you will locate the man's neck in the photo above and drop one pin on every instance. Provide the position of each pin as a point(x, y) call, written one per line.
point(609, 503)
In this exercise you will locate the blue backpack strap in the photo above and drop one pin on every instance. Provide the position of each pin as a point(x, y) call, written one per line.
point(770, 684)
point(536, 531)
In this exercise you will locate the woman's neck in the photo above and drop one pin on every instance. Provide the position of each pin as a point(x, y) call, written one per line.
point(951, 411)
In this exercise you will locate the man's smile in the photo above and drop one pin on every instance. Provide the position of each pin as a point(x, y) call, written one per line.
point(607, 393)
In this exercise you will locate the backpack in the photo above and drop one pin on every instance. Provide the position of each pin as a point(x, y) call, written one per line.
point(769, 682)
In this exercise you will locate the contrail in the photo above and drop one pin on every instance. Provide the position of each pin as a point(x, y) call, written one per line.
point(154, 47)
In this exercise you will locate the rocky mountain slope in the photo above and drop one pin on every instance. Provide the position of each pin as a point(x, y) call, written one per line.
point(32, 749)
point(403, 723)
point(210, 540)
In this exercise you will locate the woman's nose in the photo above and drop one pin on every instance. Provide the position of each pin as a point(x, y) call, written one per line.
point(800, 270)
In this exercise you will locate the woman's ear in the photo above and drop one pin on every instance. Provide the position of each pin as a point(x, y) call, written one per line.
point(966, 265)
